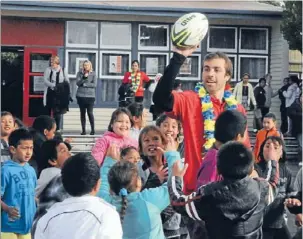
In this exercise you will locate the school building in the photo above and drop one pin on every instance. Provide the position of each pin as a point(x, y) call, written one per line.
point(113, 33)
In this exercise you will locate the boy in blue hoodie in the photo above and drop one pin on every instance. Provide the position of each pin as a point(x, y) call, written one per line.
point(18, 183)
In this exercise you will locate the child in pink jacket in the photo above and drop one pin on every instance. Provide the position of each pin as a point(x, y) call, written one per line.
point(230, 126)
point(118, 134)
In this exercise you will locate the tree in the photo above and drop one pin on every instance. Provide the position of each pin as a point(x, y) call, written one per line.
point(291, 26)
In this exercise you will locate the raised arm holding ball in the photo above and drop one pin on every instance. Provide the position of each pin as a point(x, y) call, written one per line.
point(197, 109)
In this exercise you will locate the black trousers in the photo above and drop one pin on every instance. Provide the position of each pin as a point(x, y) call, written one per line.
point(284, 121)
point(86, 105)
point(57, 117)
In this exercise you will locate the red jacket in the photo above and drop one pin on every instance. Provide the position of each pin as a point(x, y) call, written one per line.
point(144, 78)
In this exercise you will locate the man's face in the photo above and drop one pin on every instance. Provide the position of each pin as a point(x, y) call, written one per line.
point(268, 79)
point(214, 75)
point(245, 79)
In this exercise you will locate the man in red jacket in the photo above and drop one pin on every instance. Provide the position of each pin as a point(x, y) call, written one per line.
point(187, 106)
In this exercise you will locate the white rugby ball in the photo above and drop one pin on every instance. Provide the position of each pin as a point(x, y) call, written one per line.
point(189, 30)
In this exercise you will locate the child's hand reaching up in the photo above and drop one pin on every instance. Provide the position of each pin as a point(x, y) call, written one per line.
point(177, 170)
point(114, 152)
point(162, 173)
point(171, 145)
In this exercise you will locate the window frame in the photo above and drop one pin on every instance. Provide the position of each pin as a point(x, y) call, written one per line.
point(254, 51)
point(199, 77)
point(77, 45)
point(152, 48)
point(235, 67)
point(113, 52)
point(67, 51)
point(210, 49)
point(153, 53)
point(101, 46)
point(252, 56)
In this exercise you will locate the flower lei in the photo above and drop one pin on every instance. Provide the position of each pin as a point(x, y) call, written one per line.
point(135, 80)
point(208, 113)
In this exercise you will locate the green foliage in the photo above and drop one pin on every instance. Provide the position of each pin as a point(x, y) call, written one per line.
point(291, 26)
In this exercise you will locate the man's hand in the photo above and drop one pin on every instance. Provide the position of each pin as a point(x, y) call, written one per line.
point(292, 202)
point(177, 171)
point(186, 51)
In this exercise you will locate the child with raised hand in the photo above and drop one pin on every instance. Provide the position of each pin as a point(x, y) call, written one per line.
point(234, 207)
point(274, 225)
point(7, 127)
point(230, 126)
point(18, 182)
point(269, 129)
point(170, 126)
point(139, 210)
point(118, 134)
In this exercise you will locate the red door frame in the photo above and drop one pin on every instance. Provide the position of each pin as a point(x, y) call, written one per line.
point(26, 80)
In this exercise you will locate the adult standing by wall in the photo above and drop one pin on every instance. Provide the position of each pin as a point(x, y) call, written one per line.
point(260, 96)
point(198, 110)
point(284, 121)
point(56, 91)
point(138, 80)
point(244, 93)
point(86, 94)
point(154, 110)
point(292, 103)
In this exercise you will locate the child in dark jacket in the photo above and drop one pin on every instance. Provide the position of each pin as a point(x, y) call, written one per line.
point(274, 225)
point(234, 207)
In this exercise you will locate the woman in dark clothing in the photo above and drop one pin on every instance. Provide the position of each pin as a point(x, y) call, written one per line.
point(274, 224)
point(284, 122)
point(86, 95)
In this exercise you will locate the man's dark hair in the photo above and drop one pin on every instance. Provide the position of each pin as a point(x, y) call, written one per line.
point(80, 174)
point(176, 84)
point(18, 135)
point(136, 109)
point(235, 160)
point(43, 122)
point(5, 113)
point(229, 125)
point(271, 116)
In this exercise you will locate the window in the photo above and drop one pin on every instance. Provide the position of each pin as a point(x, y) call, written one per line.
point(153, 63)
point(153, 37)
point(233, 59)
point(74, 60)
point(115, 35)
point(255, 66)
point(82, 34)
point(191, 68)
point(222, 39)
point(114, 64)
point(254, 40)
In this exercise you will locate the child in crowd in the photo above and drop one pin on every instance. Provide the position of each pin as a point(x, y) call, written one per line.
point(269, 129)
point(139, 119)
point(274, 225)
point(18, 183)
point(154, 172)
point(230, 126)
point(234, 207)
point(7, 127)
point(139, 209)
point(83, 215)
point(118, 133)
point(43, 128)
point(169, 126)
point(130, 154)
point(54, 154)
